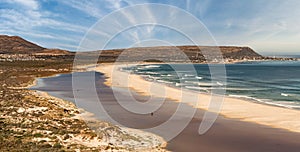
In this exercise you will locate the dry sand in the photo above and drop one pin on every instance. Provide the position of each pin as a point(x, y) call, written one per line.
point(272, 116)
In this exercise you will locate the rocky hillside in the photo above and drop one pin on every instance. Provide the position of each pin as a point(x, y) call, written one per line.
point(17, 45)
point(10, 46)
point(197, 54)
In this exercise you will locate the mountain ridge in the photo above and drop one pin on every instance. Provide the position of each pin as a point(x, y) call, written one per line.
point(18, 45)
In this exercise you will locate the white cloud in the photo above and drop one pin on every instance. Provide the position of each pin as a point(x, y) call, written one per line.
point(257, 23)
point(28, 20)
point(114, 4)
point(89, 7)
point(264, 25)
point(29, 4)
point(100, 8)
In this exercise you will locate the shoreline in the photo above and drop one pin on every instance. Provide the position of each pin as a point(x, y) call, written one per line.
point(241, 97)
point(228, 135)
point(149, 141)
point(235, 108)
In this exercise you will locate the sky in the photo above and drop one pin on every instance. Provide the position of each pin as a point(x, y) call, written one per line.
point(270, 27)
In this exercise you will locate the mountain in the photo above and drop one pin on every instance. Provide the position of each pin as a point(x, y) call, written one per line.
point(18, 45)
point(179, 53)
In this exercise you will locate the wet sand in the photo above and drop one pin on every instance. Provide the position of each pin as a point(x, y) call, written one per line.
point(225, 135)
point(237, 108)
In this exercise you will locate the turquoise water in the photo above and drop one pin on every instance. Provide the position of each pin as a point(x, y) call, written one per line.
point(272, 82)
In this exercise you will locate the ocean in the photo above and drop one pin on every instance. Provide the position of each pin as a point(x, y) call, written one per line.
point(270, 82)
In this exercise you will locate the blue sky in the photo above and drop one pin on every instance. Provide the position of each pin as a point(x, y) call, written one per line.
point(268, 26)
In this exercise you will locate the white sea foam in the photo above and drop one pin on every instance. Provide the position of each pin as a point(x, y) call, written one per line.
point(182, 84)
point(284, 94)
point(203, 84)
point(178, 84)
point(147, 67)
point(185, 78)
point(245, 97)
point(267, 101)
point(150, 72)
point(189, 75)
point(162, 81)
point(287, 104)
point(284, 104)
point(199, 78)
point(196, 88)
point(220, 84)
point(290, 95)
point(151, 66)
point(235, 83)
point(167, 75)
point(244, 89)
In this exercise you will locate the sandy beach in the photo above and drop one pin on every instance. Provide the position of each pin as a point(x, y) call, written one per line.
point(241, 126)
point(226, 134)
point(150, 76)
point(272, 116)
point(125, 139)
point(231, 134)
